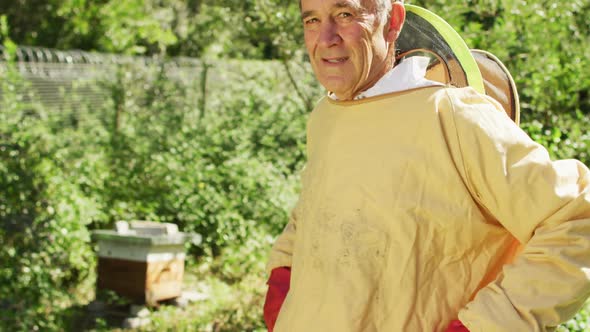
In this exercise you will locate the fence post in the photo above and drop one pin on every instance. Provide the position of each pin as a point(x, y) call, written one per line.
point(203, 103)
point(118, 95)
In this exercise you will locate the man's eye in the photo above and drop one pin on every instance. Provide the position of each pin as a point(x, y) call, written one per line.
point(345, 15)
point(310, 21)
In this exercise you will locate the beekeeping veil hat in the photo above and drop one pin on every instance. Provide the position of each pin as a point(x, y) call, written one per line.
point(452, 62)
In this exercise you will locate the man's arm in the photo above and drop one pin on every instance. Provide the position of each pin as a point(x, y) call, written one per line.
point(544, 204)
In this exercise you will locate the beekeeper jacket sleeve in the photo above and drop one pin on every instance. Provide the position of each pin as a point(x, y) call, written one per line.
point(282, 250)
point(544, 204)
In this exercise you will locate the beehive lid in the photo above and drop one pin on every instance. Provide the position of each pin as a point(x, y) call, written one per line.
point(145, 233)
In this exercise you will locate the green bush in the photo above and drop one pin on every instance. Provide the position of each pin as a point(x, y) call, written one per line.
point(247, 29)
point(225, 167)
point(220, 172)
point(45, 252)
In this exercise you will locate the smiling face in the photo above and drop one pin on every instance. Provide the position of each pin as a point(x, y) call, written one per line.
point(349, 45)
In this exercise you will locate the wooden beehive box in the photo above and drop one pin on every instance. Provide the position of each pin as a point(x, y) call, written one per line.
point(141, 261)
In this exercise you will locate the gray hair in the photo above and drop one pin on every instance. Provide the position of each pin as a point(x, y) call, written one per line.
point(383, 8)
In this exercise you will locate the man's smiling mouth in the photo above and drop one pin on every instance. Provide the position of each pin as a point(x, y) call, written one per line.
point(335, 60)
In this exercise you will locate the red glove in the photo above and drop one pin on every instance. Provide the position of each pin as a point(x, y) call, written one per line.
point(278, 287)
point(456, 326)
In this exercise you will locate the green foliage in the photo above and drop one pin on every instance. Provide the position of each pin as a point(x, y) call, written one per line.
point(228, 307)
point(580, 322)
point(132, 26)
point(225, 167)
point(260, 29)
point(234, 286)
point(45, 252)
point(220, 172)
point(129, 26)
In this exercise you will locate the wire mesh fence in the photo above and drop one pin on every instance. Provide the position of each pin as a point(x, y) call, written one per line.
point(77, 82)
point(63, 79)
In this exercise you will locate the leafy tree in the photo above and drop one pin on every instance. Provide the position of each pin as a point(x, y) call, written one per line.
point(260, 29)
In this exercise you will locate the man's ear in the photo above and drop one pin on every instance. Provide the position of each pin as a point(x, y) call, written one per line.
point(397, 16)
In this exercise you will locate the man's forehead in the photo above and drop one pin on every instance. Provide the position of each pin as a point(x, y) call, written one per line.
point(309, 5)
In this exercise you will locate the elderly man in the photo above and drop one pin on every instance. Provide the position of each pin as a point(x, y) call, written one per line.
point(423, 207)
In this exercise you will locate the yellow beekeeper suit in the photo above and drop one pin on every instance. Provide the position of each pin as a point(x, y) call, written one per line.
point(412, 209)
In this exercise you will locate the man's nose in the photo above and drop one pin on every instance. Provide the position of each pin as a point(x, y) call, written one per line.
point(329, 34)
